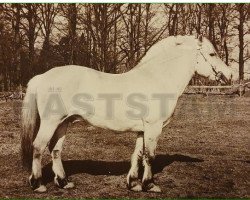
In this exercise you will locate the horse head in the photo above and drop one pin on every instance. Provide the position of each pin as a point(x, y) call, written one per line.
point(209, 63)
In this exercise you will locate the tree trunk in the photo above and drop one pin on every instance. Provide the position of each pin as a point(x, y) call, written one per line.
point(211, 33)
point(226, 52)
point(32, 22)
point(241, 40)
point(198, 25)
point(146, 27)
point(72, 22)
point(17, 45)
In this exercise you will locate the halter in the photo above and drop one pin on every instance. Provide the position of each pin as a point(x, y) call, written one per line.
point(218, 74)
point(213, 67)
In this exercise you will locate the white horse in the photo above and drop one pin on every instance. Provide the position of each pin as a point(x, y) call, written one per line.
point(141, 100)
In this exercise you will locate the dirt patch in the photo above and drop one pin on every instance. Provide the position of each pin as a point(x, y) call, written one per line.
point(204, 152)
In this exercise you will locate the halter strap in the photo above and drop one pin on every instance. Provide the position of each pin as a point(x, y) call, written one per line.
point(213, 67)
point(218, 74)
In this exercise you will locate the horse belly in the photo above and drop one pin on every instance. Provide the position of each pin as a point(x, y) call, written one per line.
point(115, 124)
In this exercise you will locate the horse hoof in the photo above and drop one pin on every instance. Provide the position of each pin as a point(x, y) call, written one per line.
point(69, 185)
point(41, 189)
point(36, 184)
point(63, 183)
point(136, 188)
point(155, 189)
point(150, 186)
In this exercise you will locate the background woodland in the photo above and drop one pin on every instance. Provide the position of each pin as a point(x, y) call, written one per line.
point(111, 37)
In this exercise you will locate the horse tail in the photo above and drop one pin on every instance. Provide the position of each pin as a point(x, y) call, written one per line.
point(30, 122)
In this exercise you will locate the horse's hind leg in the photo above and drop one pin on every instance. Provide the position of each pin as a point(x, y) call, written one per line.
point(55, 147)
point(136, 159)
point(45, 133)
point(151, 135)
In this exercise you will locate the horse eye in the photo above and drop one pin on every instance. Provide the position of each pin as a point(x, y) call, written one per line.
point(212, 54)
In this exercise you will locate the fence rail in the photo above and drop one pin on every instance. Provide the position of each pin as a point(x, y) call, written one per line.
point(220, 90)
point(239, 89)
point(11, 96)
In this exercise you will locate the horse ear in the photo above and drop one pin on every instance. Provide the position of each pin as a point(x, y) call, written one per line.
point(199, 41)
point(200, 38)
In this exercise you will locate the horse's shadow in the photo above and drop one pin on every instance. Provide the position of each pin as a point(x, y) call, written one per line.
point(112, 168)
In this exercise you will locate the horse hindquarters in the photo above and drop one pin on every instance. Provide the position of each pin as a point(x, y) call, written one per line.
point(36, 134)
point(55, 148)
point(45, 133)
point(30, 123)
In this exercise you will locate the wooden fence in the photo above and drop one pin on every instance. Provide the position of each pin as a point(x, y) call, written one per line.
point(239, 89)
point(5, 96)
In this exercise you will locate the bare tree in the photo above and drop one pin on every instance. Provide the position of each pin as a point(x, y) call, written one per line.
point(31, 28)
point(210, 9)
point(70, 14)
point(101, 35)
point(72, 23)
point(187, 19)
point(140, 32)
point(132, 20)
point(198, 21)
point(172, 11)
point(11, 14)
point(243, 10)
point(46, 19)
point(108, 37)
point(5, 60)
point(16, 42)
point(223, 19)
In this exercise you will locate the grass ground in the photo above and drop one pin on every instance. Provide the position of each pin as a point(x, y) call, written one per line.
point(204, 152)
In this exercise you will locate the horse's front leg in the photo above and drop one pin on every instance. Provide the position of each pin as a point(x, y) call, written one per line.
point(132, 179)
point(151, 136)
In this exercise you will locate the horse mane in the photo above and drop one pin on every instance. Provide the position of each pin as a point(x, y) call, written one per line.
point(161, 48)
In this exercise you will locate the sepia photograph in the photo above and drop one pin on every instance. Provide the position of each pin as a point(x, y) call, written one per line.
point(124, 100)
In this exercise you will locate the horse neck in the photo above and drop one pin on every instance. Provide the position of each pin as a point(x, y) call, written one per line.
point(173, 73)
point(184, 80)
